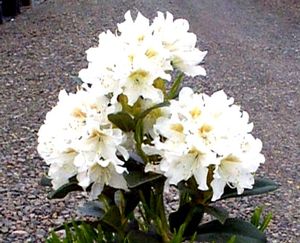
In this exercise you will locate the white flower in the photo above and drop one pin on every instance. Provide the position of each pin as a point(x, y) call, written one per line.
point(129, 61)
point(100, 147)
point(139, 75)
point(175, 37)
point(103, 64)
point(152, 116)
point(134, 31)
point(200, 132)
point(236, 169)
point(57, 138)
point(78, 139)
point(127, 68)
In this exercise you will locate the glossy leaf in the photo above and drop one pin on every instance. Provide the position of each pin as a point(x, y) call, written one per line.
point(243, 231)
point(138, 178)
point(260, 186)
point(122, 120)
point(188, 214)
point(64, 190)
point(132, 199)
point(92, 208)
point(219, 213)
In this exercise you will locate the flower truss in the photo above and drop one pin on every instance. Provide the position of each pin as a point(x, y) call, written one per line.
point(140, 53)
point(124, 136)
point(77, 139)
point(200, 131)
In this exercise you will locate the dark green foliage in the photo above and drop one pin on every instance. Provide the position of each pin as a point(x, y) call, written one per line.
point(122, 120)
point(64, 190)
point(188, 214)
point(115, 220)
point(260, 186)
point(243, 232)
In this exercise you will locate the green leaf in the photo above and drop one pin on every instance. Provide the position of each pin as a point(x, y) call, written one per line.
point(258, 221)
point(53, 238)
point(139, 133)
point(138, 137)
point(139, 129)
point(120, 201)
point(256, 217)
point(79, 234)
point(178, 236)
point(92, 208)
point(147, 111)
point(188, 214)
point(232, 239)
point(266, 222)
point(260, 186)
point(89, 234)
point(219, 213)
point(138, 236)
point(222, 233)
point(138, 178)
point(113, 219)
point(69, 237)
point(64, 190)
point(46, 181)
point(122, 120)
point(174, 91)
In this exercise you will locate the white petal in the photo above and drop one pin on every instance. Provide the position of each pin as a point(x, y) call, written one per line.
point(218, 188)
point(201, 177)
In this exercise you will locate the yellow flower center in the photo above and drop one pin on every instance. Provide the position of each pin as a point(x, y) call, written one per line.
point(205, 129)
point(151, 53)
point(138, 76)
point(177, 127)
point(79, 114)
point(195, 113)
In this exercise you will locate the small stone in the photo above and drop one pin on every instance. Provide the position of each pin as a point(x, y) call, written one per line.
point(20, 232)
point(4, 229)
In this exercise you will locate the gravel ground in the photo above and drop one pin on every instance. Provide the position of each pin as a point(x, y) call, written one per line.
point(253, 55)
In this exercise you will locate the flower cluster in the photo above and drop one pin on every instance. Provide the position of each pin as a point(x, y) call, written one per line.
point(77, 139)
point(126, 74)
point(130, 61)
point(199, 132)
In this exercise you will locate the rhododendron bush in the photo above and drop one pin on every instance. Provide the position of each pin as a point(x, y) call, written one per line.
point(132, 130)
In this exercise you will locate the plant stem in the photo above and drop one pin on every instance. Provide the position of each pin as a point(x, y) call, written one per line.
point(161, 212)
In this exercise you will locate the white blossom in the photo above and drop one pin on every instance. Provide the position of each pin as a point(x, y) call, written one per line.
point(78, 139)
point(202, 132)
point(175, 37)
point(131, 59)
